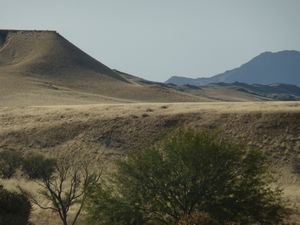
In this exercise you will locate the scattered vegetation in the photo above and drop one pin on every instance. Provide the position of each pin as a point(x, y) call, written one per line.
point(35, 166)
point(15, 208)
point(190, 178)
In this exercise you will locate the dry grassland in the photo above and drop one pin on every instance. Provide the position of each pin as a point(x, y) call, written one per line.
point(90, 130)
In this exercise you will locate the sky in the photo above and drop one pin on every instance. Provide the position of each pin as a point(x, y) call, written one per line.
point(157, 39)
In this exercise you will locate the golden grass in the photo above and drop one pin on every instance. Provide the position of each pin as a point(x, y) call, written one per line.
point(116, 128)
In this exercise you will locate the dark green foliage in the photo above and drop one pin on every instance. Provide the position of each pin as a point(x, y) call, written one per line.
point(198, 218)
point(9, 162)
point(14, 208)
point(38, 167)
point(188, 172)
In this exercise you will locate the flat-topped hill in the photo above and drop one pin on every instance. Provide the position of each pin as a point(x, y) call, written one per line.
point(47, 52)
point(43, 68)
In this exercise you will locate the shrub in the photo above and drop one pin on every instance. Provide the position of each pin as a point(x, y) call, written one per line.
point(9, 162)
point(296, 165)
point(149, 110)
point(189, 172)
point(38, 167)
point(145, 115)
point(15, 208)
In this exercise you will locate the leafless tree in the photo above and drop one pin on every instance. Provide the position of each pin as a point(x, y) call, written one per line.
point(68, 186)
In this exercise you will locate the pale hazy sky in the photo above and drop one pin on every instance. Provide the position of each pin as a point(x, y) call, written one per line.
point(156, 39)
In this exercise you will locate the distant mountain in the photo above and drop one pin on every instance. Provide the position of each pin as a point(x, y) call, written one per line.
point(266, 68)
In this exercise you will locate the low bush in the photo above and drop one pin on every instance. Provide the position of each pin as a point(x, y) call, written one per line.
point(10, 161)
point(38, 167)
point(145, 115)
point(149, 110)
point(15, 208)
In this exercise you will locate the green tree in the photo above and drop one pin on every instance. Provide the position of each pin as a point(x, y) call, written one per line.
point(189, 172)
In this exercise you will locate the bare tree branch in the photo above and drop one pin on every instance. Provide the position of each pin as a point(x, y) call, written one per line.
point(68, 186)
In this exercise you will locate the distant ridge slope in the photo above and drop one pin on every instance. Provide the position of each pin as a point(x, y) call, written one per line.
point(43, 68)
point(266, 68)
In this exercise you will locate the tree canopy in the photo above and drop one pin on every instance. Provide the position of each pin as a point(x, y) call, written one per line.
point(188, 173)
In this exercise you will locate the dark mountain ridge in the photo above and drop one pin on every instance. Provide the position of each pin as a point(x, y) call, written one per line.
point(278, 91)
point(266, 68)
